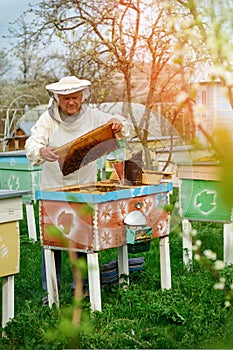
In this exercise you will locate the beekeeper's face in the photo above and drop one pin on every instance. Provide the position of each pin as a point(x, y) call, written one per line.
point(71, 104)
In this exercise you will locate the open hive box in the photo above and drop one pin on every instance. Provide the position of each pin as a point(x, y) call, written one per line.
point(91, 217)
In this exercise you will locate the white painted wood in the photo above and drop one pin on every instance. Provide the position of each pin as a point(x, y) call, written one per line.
point(94, 281)
point(11, 209)
point(31, 222)
point(103, 173)
point(123, 263)
point(51, 277)
point(228, 243)
point(7, 299)
point(187, 243)
point(165, 266)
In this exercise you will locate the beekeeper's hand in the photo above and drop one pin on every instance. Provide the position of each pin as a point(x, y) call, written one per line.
point(116, 126)
point(47, 153)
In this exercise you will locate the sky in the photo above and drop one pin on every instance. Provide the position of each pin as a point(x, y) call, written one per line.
point(10, 10)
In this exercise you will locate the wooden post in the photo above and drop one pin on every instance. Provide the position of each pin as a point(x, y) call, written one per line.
point(51, 277)
point(187, 243)
point(94, 281)
point(123, 263)
point(7, 299)
point(165, 268)
point(31, 222)
point(228, 243)
point(103, 173)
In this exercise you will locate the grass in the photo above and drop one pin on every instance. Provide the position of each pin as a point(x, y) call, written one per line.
point(189, 316)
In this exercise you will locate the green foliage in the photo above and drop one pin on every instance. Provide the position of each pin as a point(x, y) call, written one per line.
point(190, 315)
point(11, 91)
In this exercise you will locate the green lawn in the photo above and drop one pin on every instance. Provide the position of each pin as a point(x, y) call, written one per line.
point(189, 316)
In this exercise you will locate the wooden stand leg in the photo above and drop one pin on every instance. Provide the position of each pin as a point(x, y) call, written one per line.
point(31, 222)
point(123, 263)
point(187, 243)
point(7, 299)
point(165, 268)
point(228, 243)
point(51, 277)
point(94, 281)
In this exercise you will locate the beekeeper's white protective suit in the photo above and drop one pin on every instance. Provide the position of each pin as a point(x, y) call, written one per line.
point(51, 130)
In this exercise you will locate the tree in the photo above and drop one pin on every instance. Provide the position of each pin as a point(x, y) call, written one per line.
point(213, 20)
point(28, 50)
point(4, 63)
point(105, 37)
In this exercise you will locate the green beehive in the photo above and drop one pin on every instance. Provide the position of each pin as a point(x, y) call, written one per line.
point(17, 173)
point(202, 200)
point(201, 193)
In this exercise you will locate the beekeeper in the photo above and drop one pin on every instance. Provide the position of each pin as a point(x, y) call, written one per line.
point(68, 117)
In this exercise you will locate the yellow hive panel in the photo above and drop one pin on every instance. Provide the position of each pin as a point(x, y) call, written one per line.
point(9, 248)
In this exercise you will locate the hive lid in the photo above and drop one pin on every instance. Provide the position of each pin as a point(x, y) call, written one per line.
point(87, 148)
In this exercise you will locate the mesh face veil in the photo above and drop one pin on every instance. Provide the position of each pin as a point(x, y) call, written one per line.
point(86, 96)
